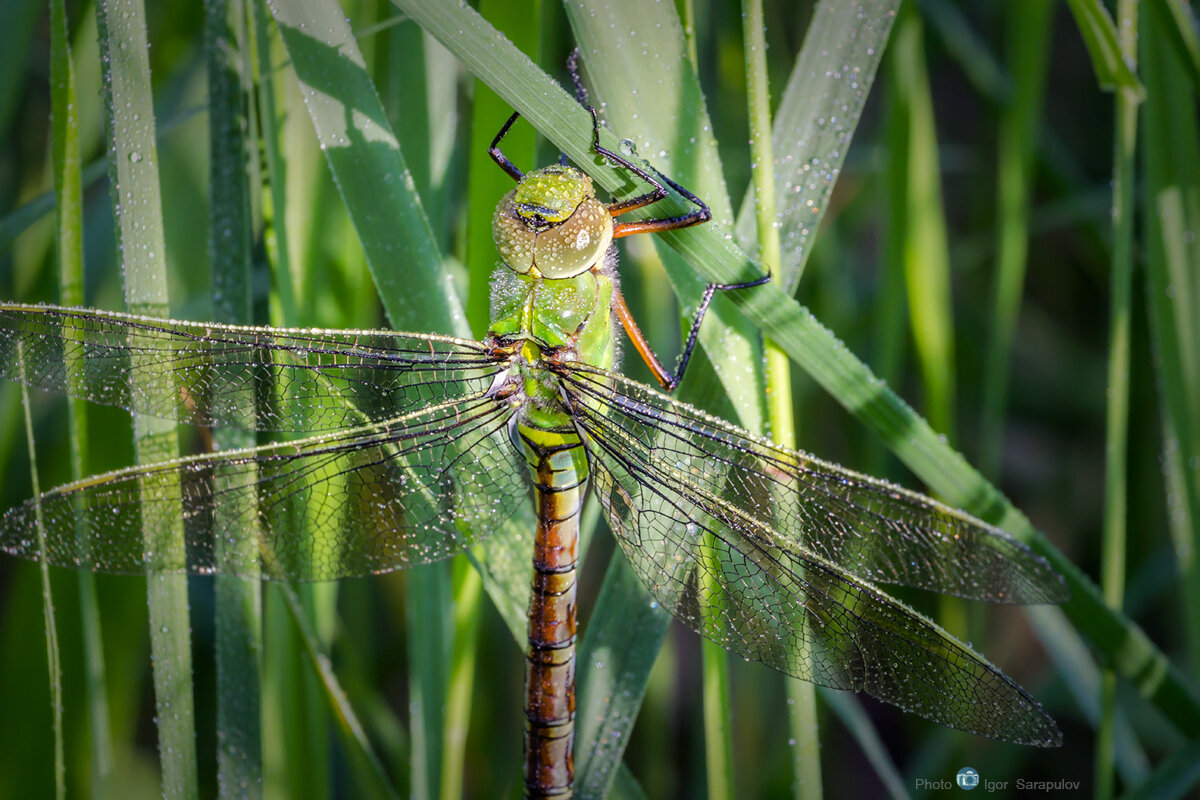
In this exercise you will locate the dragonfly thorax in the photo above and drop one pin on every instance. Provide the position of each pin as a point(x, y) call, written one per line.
point(551, 225)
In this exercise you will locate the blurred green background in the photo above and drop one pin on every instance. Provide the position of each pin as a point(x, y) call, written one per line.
point(1010, 246)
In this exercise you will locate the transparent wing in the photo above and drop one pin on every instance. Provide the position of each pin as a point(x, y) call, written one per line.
point(306, 381)
point(869, 527)
point(760, 550)
point(414, 489)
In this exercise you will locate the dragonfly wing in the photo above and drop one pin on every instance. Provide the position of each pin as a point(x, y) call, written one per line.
point(306, 381)
point(869, 527)
point(415, 489)
point(725, 572)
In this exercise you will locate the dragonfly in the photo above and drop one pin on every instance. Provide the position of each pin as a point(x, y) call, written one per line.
point(413, 447)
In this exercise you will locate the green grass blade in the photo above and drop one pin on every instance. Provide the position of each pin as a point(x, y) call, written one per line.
point(68, 226)
point(53, 661)
point(802, 701)
point(1176, 775)
point(238, 601)
point(368, 167)
point(1179, 27)
point(283, 294)
point(852, 715)
point(718, 730)
point(915, 179)
point(18, 30)
point(816, 120)
point(824, 357)
point(1027, 42)
point(1116, 448)
point(373, 779)
point(624, 642)
point(468, 609)
point(406, 264)
point(137, 205)
point(1171, 215)
point(802, 710)
point(1100, 36)
point(666, 119)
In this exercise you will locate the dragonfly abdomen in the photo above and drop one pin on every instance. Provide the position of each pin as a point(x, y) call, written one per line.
point(560, 479)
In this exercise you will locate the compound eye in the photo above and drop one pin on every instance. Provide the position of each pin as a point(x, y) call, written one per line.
point(514, 238)
point(577, 244)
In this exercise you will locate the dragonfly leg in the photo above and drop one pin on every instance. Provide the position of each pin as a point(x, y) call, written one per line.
point(668, 380)
point(656, 179)
point(498, 155)
point(573, 68)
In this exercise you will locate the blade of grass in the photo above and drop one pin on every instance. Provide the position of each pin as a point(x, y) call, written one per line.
point(468, 609)
point(369, 169)
point(802, 700)
point(1171, 215)
point(855, 719)
point(718, 727)
point(917, 230)
point(18, 30)
point(917, 200)
point(372, 777)
point(816, 120)
point(283, 296)
point(1071, 657)
point(1100, 35)
point(296, 720)
point(68, 226)
point(1179, 27)
point(137, 205)
point(1176, 775)
point(521, 23)
point(667, 117)
point(1116, 447)
point(374, 184)
point(238, 601)
point(1027, 38)
point(623, 643)
point(823, 357)
point(53, 663)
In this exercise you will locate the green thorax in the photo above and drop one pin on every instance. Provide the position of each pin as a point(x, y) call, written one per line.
point(554, 289)
point(563, 318)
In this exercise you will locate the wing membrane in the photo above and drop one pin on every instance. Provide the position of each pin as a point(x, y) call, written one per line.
point(413, 489)
point(306, 381)
point(699, 509)
point(873, 529)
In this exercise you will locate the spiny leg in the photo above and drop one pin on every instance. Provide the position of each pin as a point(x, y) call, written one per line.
point(665, 378)
point(702, 214)
point(498, 155)
point(573, 69)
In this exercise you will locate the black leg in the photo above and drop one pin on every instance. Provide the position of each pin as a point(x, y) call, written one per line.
point(690, 345)
point(498, 155)
point(659, 192)
point(573, 68)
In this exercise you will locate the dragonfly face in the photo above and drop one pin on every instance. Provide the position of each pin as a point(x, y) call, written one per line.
point(551, 225)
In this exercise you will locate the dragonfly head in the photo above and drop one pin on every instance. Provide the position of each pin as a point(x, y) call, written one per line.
point(552, 224)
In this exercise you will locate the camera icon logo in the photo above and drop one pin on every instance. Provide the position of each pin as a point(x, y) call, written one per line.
point(967, 778)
